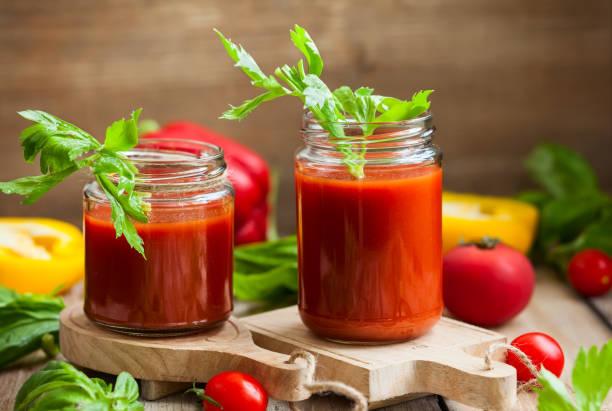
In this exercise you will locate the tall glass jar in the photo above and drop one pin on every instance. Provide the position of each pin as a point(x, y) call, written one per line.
point(370, 247)
point(185, 282)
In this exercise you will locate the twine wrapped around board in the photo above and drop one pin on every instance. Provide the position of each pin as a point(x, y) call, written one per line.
point(522, 357)
point(361, 404)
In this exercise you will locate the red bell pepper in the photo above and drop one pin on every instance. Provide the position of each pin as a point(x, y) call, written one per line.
point(247, 171)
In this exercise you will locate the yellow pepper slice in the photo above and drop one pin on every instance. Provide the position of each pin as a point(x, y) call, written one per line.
point(39, 254)
point(469, 217)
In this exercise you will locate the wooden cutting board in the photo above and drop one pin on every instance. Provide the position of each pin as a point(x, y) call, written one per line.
point(446, 361)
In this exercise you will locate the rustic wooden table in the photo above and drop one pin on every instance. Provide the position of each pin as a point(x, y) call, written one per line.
point(554, 309)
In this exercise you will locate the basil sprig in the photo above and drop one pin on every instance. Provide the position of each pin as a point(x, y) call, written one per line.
point(60, 386)
point(575, 213)
point(27, 322)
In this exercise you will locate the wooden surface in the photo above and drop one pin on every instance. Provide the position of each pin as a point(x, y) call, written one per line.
point(446, 361)
point(554, 309)
point(196, 357)
point(507, 74)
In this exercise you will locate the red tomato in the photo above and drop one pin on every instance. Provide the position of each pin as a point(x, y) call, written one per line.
point(486, 286)
point(542, 350)
point(590, 272)
point(235, 391)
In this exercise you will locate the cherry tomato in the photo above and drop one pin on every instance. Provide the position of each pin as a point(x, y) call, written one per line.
point(590, 272)
point(487, 283)
point(542, 350)
point(235, 391)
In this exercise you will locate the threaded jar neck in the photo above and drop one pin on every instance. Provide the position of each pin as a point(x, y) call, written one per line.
point(393, 135)
point(175, 164)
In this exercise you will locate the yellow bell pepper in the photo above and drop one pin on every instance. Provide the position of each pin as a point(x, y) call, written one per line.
point(39, 254)
point(470, 217)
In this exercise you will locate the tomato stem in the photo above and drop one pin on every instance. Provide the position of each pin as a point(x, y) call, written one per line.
point(485, 243)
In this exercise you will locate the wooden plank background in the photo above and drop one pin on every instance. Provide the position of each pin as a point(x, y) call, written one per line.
point(507, 74)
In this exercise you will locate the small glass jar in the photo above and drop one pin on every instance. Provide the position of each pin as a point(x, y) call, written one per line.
point(185, 282)
point(369, 247)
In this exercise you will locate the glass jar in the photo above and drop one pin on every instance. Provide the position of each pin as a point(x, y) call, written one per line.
point(369, 247)
point(185, 282)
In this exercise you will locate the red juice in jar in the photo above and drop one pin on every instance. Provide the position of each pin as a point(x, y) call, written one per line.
point(370, 248)
point(185, 282)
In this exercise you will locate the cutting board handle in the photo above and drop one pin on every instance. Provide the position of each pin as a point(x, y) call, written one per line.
point(280, 379)
point(453, 374)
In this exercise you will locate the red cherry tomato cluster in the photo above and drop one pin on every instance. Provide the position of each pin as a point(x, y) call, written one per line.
point(488, 283)
point(247, 171)
point(590, 272)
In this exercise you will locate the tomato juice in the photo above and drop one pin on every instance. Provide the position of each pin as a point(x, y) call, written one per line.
point(185, 282)
point(370, 251)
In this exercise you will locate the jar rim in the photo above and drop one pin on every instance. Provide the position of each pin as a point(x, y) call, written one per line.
point(174, 163)
point(310, 120)
point(207, 152)
point(393, 135)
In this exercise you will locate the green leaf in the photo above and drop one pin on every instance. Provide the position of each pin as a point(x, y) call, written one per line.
point(240, 112)
point(61, 386)
point(123, 225)
point(304, 43)
point(364, 91)
point(562, 219)
point(122, 135)
point(317, 95)
point(561, 171)
point(59, 153)
point(591, 382)
point(331, 109)
point(34, 187)
point(247, 64)
point(110, 163)
point(406, 110)
point(347, 100)
point(553, 396)
point(24, 320)
point(592, 377)
point(535, 197)
point(595, 235)
point(61, 146)
point(266, 271)
point(126, 387)
point(58, 141)
point(268, 285)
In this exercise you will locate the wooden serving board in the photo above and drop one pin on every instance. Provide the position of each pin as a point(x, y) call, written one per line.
point(446, 361)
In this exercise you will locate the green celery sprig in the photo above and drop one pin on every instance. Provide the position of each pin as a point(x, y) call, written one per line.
point(332, 109)
point(64, 149)
point(591, 381)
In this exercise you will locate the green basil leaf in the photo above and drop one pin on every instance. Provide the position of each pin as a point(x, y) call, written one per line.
point(61, 386)
point(24, 320)
point(561, 171)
